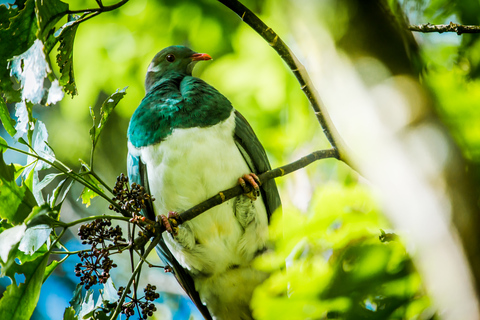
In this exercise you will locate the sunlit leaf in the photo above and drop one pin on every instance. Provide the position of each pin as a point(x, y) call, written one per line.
point(65, 57)
point(15, 40)
point(55, 93)
point(34, 238)
point(16, 202)
point(41, 147)
point(19, 301)
point(109, 293)
point(46, 181)
point(9, 238)
point(39, 226)
point(88, 194)
point(31, 69)
point(88, 304)
point(3, 147)
point(7, 121)
point(69, 314)
point(22, 112)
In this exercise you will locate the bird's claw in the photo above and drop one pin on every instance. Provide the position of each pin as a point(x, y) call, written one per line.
point(254, 181)
point(170, 222)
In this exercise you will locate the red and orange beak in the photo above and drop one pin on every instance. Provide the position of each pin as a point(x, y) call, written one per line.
point(200, 57)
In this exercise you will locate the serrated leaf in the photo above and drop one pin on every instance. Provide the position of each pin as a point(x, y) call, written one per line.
point(16, 39)
point(87, 195)
point(16, 202)
point(107, 107)
point(65, 57)
point(7, 121)
point(49, 12)
point(18, 302)
point(9, 238)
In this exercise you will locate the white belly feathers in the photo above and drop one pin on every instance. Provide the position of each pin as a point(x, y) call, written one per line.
point(187, 168)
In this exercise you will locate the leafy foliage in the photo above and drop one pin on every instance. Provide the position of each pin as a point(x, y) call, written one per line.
point(337, 267)
point(328, 263)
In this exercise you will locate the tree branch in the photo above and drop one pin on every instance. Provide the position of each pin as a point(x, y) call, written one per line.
point(238, 190)
point(441, 28)
point(298, 70)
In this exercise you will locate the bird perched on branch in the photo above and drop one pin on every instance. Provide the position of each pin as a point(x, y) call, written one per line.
point(186, 143)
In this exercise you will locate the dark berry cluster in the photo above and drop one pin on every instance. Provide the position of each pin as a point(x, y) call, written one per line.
point(94, 267)
point(99, 231)
point(95, 263)
point(130, 198)
point(145, 304)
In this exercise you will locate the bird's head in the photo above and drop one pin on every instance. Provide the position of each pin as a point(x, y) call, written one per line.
point(174, 58)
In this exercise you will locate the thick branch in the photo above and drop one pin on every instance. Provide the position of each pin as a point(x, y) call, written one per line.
point(441, 28)
point(298, 70)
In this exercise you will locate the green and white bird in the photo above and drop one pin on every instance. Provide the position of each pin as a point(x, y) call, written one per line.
point(185, 144)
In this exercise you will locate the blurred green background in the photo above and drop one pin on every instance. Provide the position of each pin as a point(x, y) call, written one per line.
point(329, 233)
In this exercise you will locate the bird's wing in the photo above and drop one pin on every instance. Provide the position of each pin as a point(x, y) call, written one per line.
point(256, 158)
point(137, 172)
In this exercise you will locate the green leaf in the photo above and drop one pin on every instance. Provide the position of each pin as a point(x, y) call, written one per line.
point(50, 268)
point(65, 57)
point(7, 121)
point(19, 36)
point(10, 238)
point(69, 314)
point(87, 194)
point(3, 145)
point(34, 238)
point(49, 12)
point(57, 194)
point(16, 202)
point(46, 181)
point(18, 302)
point(107, 107)
point(41, 147)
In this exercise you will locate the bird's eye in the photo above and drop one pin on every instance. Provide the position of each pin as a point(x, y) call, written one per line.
point(170, 57)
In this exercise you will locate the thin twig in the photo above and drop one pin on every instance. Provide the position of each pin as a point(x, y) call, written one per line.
point(132, 277)
point(70, 173)
point(441, 28)
point(298, 70)
point(101, 8)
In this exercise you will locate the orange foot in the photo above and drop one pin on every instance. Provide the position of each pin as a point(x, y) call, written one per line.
point(253, 180)
point(170, 222)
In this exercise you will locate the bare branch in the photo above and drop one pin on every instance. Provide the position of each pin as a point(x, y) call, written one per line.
point(441, 28)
